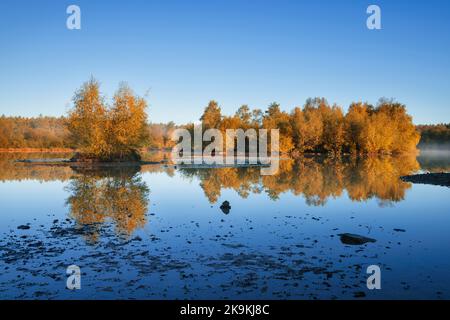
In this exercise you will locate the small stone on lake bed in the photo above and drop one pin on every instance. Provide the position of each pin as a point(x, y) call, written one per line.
point(23, 227)
point(225, 207)
point(354, 239)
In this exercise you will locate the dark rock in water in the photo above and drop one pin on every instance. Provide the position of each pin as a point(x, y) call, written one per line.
point(233, 246)
point(437, 179)
point(354, 239)
point(399, 230)
point(23, 227)
point(359, 294)
point(225, 207)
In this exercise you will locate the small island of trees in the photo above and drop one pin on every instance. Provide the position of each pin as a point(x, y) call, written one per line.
point(102, 133)
point(321, 128)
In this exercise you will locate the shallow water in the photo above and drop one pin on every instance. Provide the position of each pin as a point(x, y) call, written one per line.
point(159, 232)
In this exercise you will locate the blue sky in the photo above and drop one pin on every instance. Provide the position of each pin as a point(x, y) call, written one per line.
point(187, 52)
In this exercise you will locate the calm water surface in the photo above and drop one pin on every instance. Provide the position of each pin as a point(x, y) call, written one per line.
point(158, 231)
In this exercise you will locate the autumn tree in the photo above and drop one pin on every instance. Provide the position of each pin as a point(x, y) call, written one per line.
point(333, 135)
point(244, 115)
point(274, 118)
point(307, 129)
point(107, 134)
point(405, 135)
point(211, 116)
point(298, 125)
point(88, 121)
point(356, 120)
point(257, 117)
point(127, 123)
point(389, 129)
point(312, 128)
point(378, 134)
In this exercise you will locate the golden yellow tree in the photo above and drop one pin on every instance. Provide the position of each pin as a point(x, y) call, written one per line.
point(87, 121)
point(277, 119)
point(356, 120)
point(312, 128)
point(127, 127)
point(333, 136)
point(107, 134)
point(211, 116)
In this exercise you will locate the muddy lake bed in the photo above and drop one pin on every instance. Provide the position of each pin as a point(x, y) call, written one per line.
point(164, 232)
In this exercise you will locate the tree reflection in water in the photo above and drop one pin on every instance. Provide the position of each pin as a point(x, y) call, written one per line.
point(315, 178)
point(118, 195)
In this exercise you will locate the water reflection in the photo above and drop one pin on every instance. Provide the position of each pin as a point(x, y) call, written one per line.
point(118, 195)
point(315, 178)
point(13, 171)
point(241, 249)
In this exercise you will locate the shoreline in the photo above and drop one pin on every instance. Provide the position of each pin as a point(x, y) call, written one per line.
point(37, 150)
point(111, 164)
point(288, 154)
point(437, 179)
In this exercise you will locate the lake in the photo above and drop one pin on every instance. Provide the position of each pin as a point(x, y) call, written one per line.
point(163, 232)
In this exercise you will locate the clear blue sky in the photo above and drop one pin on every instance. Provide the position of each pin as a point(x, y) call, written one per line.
point(253, 52)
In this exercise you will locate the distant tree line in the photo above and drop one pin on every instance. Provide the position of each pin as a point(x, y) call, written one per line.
point(434, 133)
point(40, 132)
point(160, 135)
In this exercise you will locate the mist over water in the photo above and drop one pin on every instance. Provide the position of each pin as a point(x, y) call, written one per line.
point(435, 157)
point(437, 148)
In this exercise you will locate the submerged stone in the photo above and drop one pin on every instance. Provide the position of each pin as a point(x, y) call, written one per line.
point(354, 239)
point(225, 207)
